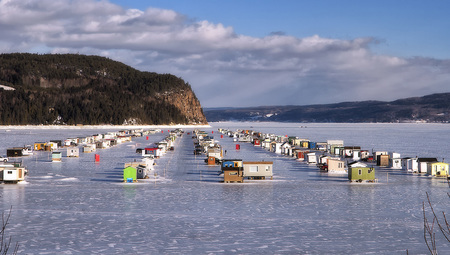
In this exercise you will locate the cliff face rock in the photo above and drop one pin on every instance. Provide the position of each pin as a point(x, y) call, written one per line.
point(77, 89)
point(188, 104)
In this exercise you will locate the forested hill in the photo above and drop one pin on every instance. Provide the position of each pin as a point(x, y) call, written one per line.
point(430, 108)
point(78, 89)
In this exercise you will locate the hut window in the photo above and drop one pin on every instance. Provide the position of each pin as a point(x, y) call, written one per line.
point(360, 171)
point(233, 173)
point(253, 169)
point(10, 172)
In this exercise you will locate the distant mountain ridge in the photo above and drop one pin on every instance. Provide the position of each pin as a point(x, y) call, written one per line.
point(429, 108)
point(91, 90)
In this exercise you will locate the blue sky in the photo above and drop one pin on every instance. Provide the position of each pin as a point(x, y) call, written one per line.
point(251, 53)
point(404, 28)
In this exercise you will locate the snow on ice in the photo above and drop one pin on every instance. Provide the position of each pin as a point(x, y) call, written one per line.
point(80, 206)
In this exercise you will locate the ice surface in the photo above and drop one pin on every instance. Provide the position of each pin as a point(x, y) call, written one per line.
point(79, 206)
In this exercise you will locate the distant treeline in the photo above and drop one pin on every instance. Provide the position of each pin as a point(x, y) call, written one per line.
point(429, 108)
point(83, 90)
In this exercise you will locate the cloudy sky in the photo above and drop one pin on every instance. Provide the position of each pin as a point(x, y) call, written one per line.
point(254, 52)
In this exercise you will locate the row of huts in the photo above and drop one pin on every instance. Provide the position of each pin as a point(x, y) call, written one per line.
point(142, 169)
point(72, 146)
point(334, 157)
point(15, 172)
point(233, 170)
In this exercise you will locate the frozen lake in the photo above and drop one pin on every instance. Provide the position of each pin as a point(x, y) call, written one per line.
point(82, 207)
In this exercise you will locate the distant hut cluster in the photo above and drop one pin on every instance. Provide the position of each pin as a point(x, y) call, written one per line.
point(332, 156)
point(233, 170)
point(142, 169)
point(71, 147)
point(205, 144)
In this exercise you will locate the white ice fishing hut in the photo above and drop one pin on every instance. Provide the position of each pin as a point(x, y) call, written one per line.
point(12, 174)
point(258, 169)
point(73, 151)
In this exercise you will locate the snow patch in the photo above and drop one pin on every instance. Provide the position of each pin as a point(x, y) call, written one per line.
point(70, 179)
point(6, 87)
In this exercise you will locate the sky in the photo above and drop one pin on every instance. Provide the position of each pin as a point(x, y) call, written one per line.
point(237, 53)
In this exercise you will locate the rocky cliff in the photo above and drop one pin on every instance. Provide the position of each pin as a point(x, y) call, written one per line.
point(78, 89)
point(187, 103)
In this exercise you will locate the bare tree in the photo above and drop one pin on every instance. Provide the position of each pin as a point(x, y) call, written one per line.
point(5, 243)
point(437, 221)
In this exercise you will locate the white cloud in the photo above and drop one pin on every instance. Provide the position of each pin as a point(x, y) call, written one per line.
point(223, 67)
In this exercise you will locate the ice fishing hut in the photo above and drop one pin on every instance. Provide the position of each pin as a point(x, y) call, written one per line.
point(311, 158)
point(410, 164)
point(365, 155)
point(336, 165)
point(48, 147)
point(423, 164)
point(395, 161)
point(275, 147)
point(82, 140)
point(321, 146)
point(286, 149)
point(353, 152)
point(59, 143)
point(304, 143)
point(301, 154)
point(233, 174)
point(73, 151)
point(360, 172)
point(12, 174)
point(333, 144)
point(232, 170)
point(51, 146)
point(211, 161)
point(101, 144)
point(14, 152)
point(27, 150)
point(215, 152)
point(56, 156)
point(438, 169)
point(141, 172)
point(148, 163)
point(152, 152)
point(377, 157)
point(111, 142)
point(322, 159)
point(39, 146)
point(88, 148)
point(129, 174)
point(383, 160)
point(258, 169)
